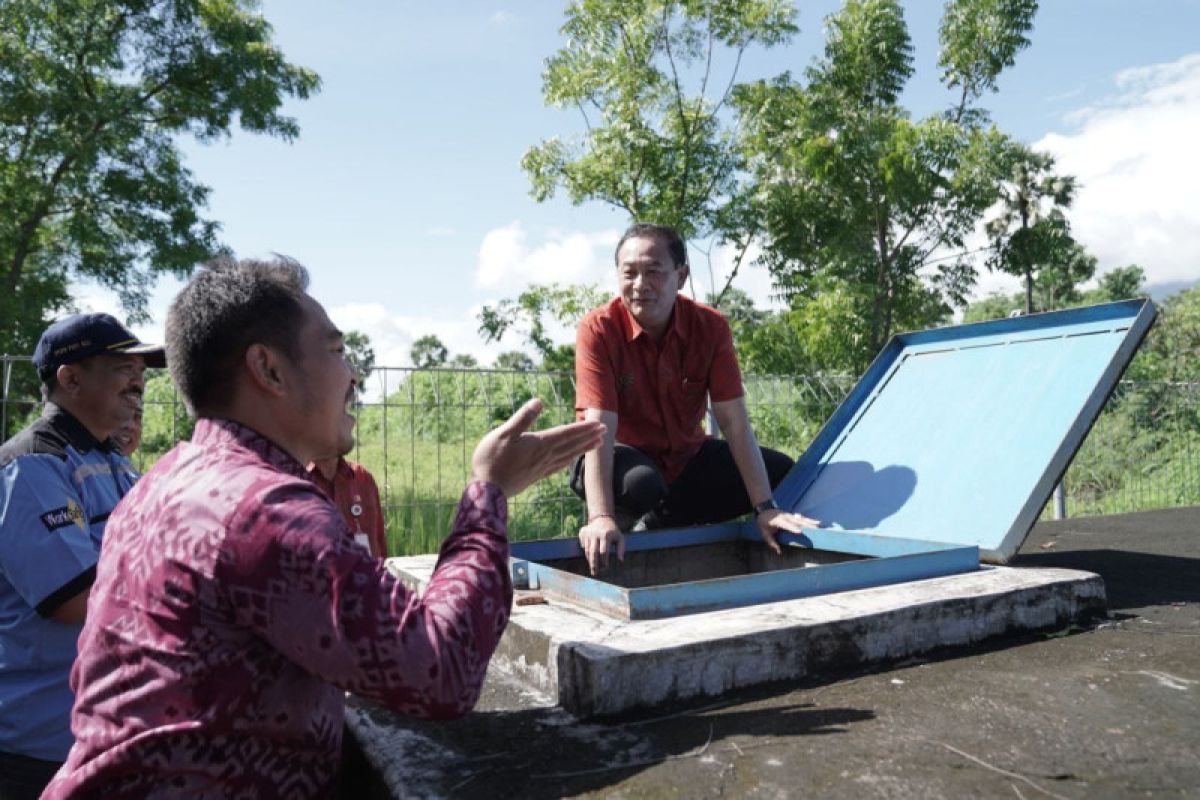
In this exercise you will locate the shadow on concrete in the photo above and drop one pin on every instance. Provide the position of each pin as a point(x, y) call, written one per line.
point(545, 753)
point(1132, 580)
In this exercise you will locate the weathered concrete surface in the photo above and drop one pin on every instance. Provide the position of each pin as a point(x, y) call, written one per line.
point(1112, 710)
point(591, 664)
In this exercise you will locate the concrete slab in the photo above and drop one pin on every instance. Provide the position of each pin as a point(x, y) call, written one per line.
point(592, 664)
point(1110, 710)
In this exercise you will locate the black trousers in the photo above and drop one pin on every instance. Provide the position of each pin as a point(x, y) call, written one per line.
point(24, 778)
point(709, 489)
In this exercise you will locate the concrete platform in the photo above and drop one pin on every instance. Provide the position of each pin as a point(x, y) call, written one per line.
point(1109, 710)
point(592, 664)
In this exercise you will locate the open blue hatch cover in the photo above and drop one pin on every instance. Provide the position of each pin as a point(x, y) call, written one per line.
point(943, 455)
point(959, 434)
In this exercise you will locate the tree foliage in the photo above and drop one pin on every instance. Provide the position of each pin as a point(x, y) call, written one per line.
point(515, 360)
point(428, 352)
point(850, 196)
point(1055, 288)
point(1121, 283)
point(1171, 351)
point(464, 361)
point(647, 77)
point(1030, 234)
point(93, 94)
point(529, 313)
point(165, 419)
point(360, 353)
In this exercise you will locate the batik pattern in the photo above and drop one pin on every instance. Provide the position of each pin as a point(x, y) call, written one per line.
point(232, 611)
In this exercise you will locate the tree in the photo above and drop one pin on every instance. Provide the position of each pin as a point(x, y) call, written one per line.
point(658, 142)
point(527, 316)
point(1031, 233)
point(428, 352)
point(1172, 349)
point(464, 361)
point(514, 360)
point(849, 194)
point(361, 355)
point(165, 419)
point(996, 305)
point(93, 94)
point(738, 308)
point(1057, 287)
point(1061, 273)
point(1120, 283)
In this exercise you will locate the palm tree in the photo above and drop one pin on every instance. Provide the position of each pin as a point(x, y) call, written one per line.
point(1030, 230)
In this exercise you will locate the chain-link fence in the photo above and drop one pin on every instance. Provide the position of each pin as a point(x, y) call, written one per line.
point(418, 428)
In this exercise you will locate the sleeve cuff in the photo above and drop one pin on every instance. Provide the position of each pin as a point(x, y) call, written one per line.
point(483, 506)
point(62, 594)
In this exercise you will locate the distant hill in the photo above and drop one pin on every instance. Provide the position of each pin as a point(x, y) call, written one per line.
point(1161, 291)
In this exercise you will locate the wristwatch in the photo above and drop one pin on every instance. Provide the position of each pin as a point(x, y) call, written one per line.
point(765, 505)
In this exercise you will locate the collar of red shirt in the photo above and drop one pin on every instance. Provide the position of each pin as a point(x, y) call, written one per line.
point(683, 308)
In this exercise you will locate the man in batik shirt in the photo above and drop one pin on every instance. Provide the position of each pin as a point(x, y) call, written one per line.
point(232, 609)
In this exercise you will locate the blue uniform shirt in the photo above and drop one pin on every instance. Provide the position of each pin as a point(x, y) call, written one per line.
point(57, 487)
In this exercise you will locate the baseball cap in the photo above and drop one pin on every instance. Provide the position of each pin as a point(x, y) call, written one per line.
point(85, 335)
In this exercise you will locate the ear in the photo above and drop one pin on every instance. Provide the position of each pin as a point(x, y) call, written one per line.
point(682, 269)
point(265, 368)
point(67, 377)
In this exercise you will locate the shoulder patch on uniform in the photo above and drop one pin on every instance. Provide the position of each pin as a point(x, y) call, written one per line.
point(70, 514)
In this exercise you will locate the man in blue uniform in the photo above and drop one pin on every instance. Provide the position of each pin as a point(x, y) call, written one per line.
point(59, 480)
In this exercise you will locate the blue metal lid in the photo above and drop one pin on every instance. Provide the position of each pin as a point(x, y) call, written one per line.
point(959, 434)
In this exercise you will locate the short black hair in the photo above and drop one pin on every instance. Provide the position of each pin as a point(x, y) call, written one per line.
point(226, 307)
point(676, 247)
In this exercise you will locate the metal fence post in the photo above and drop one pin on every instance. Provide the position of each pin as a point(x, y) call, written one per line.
point(1060, 499)
point(4, 399)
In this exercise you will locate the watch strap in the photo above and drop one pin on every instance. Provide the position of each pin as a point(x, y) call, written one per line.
point(766, 505)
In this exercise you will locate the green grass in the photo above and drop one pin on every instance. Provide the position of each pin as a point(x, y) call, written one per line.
point(1143, 452)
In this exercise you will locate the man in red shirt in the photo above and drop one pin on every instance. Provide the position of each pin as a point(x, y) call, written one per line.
point(644, 365)
point(354, 491)
point(231, 610)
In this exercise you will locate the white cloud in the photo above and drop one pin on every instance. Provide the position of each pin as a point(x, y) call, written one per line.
point(709, 274)
point(1134, 155)
point(89, 297)
point(507, 258)
point(501, 17)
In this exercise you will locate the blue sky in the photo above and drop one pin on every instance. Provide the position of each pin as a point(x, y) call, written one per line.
point(404, 195)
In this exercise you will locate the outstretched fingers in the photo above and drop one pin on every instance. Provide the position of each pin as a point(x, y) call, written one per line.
point(568, 441)
point(522, 419)
point(792, 523)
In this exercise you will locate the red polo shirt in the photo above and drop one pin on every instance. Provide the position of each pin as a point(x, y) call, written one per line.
point(657, 390)
point(354, 492)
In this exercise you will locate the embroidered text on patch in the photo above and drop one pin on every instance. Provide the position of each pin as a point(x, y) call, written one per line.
point(69, 514)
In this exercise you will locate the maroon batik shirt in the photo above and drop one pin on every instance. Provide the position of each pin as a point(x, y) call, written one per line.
point(231, 611)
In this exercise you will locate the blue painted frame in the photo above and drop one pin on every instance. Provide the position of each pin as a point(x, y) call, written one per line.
point(889, 561)
point(1040, 380)
point(1080, 352)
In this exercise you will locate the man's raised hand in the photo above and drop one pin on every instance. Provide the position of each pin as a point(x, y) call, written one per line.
point(513, 457)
